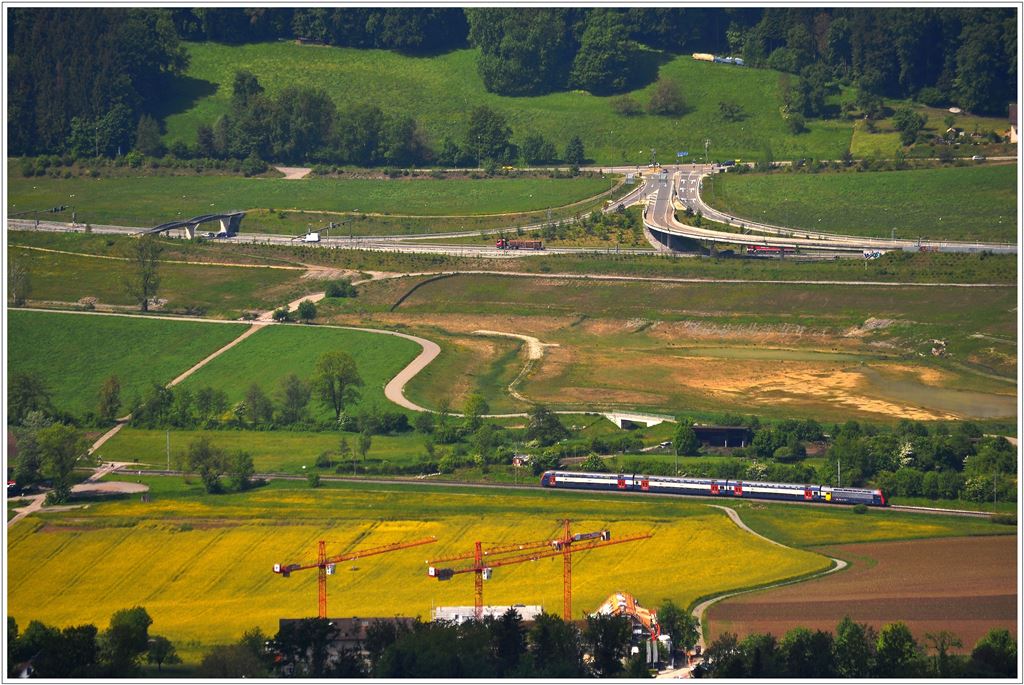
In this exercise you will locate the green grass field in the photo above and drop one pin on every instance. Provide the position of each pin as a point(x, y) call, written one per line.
point(152, 200)
point(814, 526)
point(76, 353)
point(969, 203)
point(220, 291)
point(272, 451)
point(273, 353)
point(441, 90)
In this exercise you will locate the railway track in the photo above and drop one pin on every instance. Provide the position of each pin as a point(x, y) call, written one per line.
point(509, 486)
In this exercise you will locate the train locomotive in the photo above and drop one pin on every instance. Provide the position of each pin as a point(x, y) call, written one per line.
point(712, 487)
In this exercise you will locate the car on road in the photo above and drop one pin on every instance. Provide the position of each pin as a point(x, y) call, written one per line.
point(978, 158)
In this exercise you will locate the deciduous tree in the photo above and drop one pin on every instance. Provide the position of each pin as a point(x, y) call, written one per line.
point(336, 380)
point(144, 281)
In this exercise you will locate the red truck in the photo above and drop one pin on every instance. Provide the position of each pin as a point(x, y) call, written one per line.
point(506, 244)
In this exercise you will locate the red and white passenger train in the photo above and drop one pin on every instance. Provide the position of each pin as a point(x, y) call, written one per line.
point(711, 487)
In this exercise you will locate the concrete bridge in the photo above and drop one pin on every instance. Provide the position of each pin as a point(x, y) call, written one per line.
point(229, 223)
point(627, 419)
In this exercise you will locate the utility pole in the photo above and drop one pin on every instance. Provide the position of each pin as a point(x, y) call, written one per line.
point(168, 450)
point(707, 144)
point(839, 466)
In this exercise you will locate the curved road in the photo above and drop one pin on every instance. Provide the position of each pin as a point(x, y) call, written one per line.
point(685, 183)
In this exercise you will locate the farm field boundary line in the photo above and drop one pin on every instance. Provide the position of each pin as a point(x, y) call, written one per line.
point(162, 261)
point(681, 279)
point(701, 608)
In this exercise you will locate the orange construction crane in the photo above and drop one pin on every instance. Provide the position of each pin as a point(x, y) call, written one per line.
point(325, 564)
point(494, 557)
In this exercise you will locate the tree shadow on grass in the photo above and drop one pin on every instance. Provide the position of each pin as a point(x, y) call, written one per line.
point(181, 93)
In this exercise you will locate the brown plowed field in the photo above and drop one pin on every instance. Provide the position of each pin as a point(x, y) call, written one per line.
point(964, 585)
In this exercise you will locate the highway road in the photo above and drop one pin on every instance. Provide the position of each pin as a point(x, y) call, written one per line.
point(371, 243)
point(683, 185)
point(664, 191)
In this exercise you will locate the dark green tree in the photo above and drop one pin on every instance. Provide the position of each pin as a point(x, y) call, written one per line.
point(206, 460)
point(259, 409)
point(807, 654)
point(898, 654)
point(109, 399)
point(294, 396)
point(162, 651)
point(604, 60)
point(995, 655)
point(26, 392)
point(19, 279)
point(574, 153)
point(240, 469)
point(544, 426)
point(488, 136)
point(908, 123)
point(307, 311)
point(144, 279)
point(523, 51)
point(678, 624)
point(536, 150)
point(685, 441)
point(336, 380)
point(508, 641)
point(60, 448)
point(555, 648)
point(147, 137)
point(125, 640)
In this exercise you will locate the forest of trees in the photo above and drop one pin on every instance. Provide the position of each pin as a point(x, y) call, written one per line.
point(88, 80)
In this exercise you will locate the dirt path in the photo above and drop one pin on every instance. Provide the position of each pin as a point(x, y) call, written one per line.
point(534, 353)
point(293, 173)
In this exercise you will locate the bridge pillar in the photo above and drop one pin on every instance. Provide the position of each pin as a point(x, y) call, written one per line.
point(190, 231)
point(235, 222)
point(224, 226)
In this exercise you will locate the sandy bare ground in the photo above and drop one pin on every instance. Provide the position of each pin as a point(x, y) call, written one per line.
point(293, 173)
point(109, 488)
point(534, 347)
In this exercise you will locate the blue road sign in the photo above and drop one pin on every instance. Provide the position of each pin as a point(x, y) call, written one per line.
point(682, 154)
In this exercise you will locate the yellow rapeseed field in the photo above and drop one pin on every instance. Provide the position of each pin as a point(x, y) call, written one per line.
point(203, 568)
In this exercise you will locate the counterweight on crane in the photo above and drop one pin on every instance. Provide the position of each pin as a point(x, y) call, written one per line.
point(325, 564)
point(484, 561)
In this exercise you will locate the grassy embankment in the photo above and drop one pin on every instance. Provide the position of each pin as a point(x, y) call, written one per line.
point(221, 291)
point(969, 203)
point(423, 205)
point(215, 553)
point(442, 90)
point(75, 354)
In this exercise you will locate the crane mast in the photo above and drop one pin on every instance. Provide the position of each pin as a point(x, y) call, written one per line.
point(484, 561)
point(325, 564)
